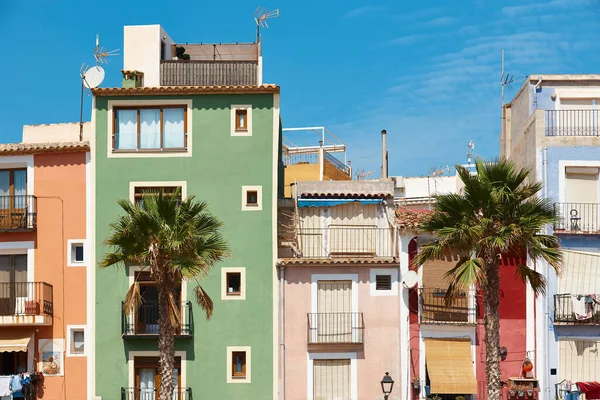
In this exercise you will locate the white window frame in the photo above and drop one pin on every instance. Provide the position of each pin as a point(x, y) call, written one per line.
point(314, 285)
point(132, 103)
point(248, 108)
point(353, 357)
point(562, 175)
point(248, 350)
point(228, 270)
point(131, 365)
point(71, 255)
point(258, 206)
point(133, 185)
point(70, 330)
point(373, 272)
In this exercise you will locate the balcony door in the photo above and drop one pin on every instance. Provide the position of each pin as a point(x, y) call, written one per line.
point(146, 319)
point(580, 213)
point(13, 197)
point(334, 312)
point(147, 378)
point(13, 284)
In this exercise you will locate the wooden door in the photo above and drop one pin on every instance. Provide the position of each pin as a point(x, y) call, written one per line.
point(13, 198)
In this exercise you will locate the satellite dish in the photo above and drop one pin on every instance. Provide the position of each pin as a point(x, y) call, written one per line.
point(93, 77)
point(410, 279)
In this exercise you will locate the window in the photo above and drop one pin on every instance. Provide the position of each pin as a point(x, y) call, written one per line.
point(251, 198)
point(241, 120)
point(76, 253)
point(143, 191)
point(383, 282)
point(331, 379)
point(238, 364)
point(76, 338)
point(233, 281)
point(13, 284)
point(13, 198)
point(147, 378)
point(152, 128)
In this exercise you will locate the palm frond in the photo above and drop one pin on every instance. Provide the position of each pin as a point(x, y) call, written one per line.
point(204, 301)
point(534, 278)
point(133, 299)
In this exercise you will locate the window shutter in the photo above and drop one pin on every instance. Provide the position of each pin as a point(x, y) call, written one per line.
point(383, 282)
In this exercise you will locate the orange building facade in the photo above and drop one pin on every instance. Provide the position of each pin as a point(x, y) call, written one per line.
point(44, 262)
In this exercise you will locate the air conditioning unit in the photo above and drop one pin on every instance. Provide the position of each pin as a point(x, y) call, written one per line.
point(398, 182)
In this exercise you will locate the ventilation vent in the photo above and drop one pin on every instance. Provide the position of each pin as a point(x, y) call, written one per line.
point(383, 282)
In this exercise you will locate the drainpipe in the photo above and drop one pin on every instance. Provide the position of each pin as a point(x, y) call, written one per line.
point(282, 329)
point(535, 88)
point(384, 155)
point(547, 274)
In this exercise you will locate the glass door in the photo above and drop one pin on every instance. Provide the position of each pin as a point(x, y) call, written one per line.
point(13, 198)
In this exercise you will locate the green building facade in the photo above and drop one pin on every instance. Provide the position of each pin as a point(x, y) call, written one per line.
point(220, 144)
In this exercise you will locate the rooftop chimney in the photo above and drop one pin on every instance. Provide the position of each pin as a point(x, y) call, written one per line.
point(384, 155)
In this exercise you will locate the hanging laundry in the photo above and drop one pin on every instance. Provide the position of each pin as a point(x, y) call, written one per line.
point(590, 389)
point(5, 386)
point(16, 386)
point(583, 306)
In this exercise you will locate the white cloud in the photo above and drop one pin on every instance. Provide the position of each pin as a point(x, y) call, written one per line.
point(362, 11)
point(407, 40)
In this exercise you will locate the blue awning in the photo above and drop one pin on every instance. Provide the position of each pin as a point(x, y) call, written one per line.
point(335, 202)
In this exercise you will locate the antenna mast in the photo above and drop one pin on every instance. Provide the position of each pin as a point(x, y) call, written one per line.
point(261, 15)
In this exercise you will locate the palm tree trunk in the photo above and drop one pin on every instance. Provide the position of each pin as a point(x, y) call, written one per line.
point(491, 301)
point(166, 346)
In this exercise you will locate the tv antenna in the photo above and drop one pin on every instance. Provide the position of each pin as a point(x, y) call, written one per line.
point(92, 77)
point(471, 146)
point(261, 15)
point(508, 79)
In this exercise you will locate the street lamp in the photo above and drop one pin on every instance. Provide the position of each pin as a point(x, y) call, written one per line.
point(387, 383)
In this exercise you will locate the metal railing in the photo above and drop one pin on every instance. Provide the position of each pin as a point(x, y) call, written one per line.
point(18, 213)
point(564, 312)
point(335, 328)
point(345, 241)
point(144, 322)
point(337, 163)
point(572, 122)
point(301, 158)
point(26, 298)
point(433, 308)
point(577, 217)
point(208, 73)
point(129, 393)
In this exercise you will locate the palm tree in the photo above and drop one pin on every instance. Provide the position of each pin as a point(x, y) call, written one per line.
point(496, 213)
point(172, 242)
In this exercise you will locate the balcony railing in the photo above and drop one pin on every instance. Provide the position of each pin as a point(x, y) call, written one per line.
point(144, 322)
point(336, 163)
point(26, 299)
point(345, 241)
point(300, 158)
point(577, 217)
point(433, 308)
point(336, 328)
point(572, 122)
point(208, 73)
point(152, 394)
point(18, 213)
point(564, 311)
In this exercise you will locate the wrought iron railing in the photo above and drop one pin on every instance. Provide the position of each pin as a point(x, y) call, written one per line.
point(129, 393)
point(208, 73)
point(18, 213)
point(564, 310)
point(345, 241)
point(433, 308)
point(144, 321)
point(572, 122)
point(336, 328)
point(301, 158)
point(26, 298)
point(577, 217)
point(337, 163)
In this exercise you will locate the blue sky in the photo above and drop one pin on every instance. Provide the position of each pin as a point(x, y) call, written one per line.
point(428, 72)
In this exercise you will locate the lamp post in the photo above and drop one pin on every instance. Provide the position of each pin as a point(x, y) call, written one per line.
point(387, 383)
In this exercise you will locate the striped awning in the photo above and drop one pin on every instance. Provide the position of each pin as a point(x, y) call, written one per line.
point(450, 366)
point(9, 342)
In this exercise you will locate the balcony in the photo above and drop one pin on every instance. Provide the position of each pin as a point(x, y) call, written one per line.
point(577, 217)
point(564, 314)
point(18, 213)
point(208, 73)
point(144, 322)
point(26, 304)
point(349, 241)
point(152, 394)
point(573, 123)
point(433, 308)
point(335, 328)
